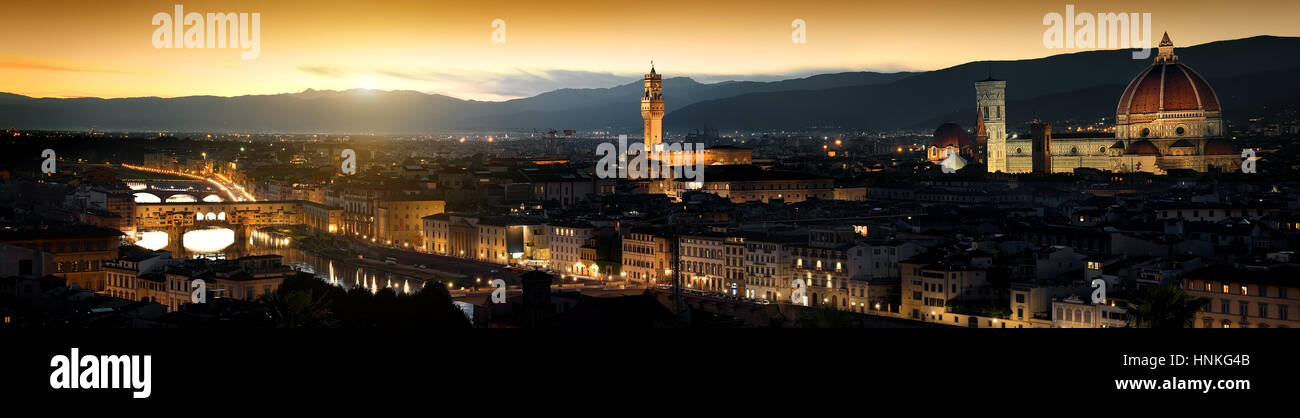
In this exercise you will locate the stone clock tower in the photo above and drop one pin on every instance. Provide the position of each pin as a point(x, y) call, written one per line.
point(652, 109)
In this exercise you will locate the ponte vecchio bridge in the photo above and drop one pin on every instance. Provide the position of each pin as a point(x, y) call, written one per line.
point(177, 218)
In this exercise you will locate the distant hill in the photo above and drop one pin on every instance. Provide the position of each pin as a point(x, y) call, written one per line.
point(384, 111)
point(1247, 74)
point(1242, 96)
point(1084, 84)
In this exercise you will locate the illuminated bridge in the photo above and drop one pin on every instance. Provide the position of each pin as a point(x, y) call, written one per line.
point(148, 196)
point(177, 218)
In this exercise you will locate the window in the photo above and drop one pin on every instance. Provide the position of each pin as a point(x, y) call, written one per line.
point(1226, 306)
point(1244, 307)
point(1282, 312)
point(1244, 292)
point(1263, 310)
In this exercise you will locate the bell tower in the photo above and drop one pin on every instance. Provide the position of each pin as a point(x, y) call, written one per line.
point(652, 109)
point(991, 106)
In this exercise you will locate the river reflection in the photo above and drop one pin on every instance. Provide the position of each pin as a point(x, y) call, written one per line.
point(220, 243)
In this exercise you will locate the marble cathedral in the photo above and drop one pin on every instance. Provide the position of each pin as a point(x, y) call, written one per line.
point(1167, 118)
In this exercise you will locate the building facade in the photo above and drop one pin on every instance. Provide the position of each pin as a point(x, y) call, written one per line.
point(647, 256)
point(1168, 117)
point(80, 252)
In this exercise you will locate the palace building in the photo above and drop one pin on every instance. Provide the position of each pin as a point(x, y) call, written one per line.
point(1167, 118)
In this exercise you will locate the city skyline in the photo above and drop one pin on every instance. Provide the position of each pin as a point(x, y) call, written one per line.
point(447, 48)
point(334, 202)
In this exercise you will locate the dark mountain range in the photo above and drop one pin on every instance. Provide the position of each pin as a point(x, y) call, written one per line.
point(1242, 96)
point(1245, 73)
point(1248, 74)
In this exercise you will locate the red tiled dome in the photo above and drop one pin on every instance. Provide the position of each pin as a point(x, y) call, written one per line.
point(950, 135)
point(1142, 147)
point(1167, 85)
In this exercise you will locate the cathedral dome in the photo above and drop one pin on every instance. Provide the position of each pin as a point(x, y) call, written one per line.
point(950, 135)
point(1142, 147)
point(1220, 147)
point(1167, 85)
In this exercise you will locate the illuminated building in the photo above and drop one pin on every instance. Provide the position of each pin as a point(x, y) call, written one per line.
point(1168, 117)
point(702, 263)
point(728, 155)
point(950, 137)
point(825, 265)
point(122, 275)
point(1074, 312)
point(647, 255)
point(768, 266)
point(500, 240)
point(322, 219)
point(746, 183)
point(652, 110)
point(931, 280)
point(398, 220)
point(157, 278)
point(79, 251)
point(1257, 296)
point(566, 240)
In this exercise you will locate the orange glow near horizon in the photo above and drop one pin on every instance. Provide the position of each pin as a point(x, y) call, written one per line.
point(76, 49)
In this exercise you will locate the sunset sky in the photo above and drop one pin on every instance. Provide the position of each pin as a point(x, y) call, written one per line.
point(74, 49)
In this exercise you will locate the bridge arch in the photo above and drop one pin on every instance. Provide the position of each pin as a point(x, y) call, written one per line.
point(143, 197)
point(212, 198)
point(180, 197)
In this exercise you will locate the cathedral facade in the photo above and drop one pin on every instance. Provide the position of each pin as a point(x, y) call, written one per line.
point(1168, 117)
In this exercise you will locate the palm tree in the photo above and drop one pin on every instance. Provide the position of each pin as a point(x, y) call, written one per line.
point(1164, 307)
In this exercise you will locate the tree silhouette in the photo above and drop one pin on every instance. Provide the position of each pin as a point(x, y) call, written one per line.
point(1166, 306)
